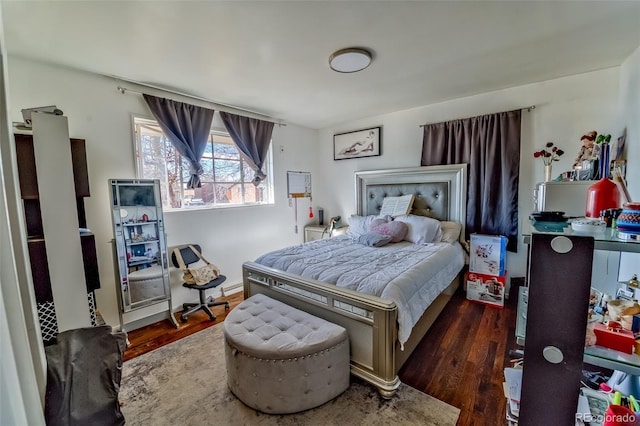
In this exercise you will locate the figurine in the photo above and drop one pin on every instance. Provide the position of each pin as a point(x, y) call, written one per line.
point(588, 151)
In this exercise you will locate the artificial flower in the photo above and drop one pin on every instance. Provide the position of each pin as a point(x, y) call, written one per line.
point(549, 153)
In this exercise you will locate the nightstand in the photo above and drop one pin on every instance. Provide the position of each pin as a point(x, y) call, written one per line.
point(317, 232)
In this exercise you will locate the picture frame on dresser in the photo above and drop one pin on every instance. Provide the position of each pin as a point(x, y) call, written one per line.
point(357, 144)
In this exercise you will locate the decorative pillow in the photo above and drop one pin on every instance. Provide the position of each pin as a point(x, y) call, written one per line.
point(422, 229)
point(359, 225)
point(396, 230)
point(450, 231)
point(373, 239)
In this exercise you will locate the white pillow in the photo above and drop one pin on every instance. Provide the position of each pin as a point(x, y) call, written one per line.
point(422, 229)
point(359, 225)
point(450, 231)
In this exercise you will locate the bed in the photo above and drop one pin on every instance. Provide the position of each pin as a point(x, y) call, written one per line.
point(383, 329)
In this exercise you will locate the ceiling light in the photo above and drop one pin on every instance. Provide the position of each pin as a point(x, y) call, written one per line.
point(352, 59)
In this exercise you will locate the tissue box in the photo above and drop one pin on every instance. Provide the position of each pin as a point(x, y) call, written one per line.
point(488, 254)
point(487, 289)
point(621, 340)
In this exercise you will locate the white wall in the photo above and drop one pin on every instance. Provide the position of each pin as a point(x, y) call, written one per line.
point(629, 117)
point(100, 114)
point(566, 108)
point(22, 360)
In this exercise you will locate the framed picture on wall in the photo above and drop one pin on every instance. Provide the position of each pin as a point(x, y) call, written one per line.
point(357, 144)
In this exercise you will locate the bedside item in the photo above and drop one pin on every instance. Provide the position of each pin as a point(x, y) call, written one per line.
point(613, 336)
point(549, 226)
point(602, 195)
point(588, 226)
point(552, 221)
point(486, 289)
point(628, 237)
point(488, 253)
point(619, 307)
point(629, 219)
point(618, 179)
point(569, 197)
point(549, 216)
point(610, 216)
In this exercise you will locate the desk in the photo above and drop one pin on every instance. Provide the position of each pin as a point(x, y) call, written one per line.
point(607, 240)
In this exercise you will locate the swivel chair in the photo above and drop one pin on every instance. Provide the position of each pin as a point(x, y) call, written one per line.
point(190, 257)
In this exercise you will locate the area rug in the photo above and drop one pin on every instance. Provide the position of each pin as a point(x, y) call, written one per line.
point(185, 382)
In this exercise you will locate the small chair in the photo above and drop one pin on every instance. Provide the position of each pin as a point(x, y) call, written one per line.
point(190, 257)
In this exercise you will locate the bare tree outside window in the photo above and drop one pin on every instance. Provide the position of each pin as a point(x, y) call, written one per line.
point(226, 178)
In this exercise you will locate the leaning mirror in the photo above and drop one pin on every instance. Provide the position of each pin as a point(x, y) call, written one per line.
point(139, 243)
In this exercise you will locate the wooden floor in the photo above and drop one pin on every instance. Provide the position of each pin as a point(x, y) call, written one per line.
point(460, 361)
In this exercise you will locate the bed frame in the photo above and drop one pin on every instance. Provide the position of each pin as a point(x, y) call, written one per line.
point(371, 321)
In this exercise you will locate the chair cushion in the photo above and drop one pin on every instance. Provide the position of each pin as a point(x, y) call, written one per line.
point(211, 284)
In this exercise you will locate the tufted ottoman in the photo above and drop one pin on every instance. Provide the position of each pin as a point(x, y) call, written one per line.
point(282, 360)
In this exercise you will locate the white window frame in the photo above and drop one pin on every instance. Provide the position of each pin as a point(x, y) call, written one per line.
point(266, 186)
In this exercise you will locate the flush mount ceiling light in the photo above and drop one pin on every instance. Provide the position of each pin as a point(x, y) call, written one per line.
point(352, 59)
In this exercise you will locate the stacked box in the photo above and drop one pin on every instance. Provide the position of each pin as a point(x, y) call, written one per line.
point(488, 254)
point(487, 289)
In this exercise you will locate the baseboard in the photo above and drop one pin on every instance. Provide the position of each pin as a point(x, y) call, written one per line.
point(231, 289)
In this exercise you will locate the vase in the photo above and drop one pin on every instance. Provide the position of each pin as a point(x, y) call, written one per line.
point(604, 161)
point(547, 172)
point(602, 195)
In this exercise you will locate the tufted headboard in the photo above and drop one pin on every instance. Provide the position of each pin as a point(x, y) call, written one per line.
point(431, 199)
point(440, 191)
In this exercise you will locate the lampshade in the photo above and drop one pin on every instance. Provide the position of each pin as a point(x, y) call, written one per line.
point(352, 59)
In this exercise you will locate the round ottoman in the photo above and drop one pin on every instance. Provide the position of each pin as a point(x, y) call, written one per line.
point(282, 360)
point(146, 283)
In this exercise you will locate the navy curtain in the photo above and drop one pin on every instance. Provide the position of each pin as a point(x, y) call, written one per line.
point(187, 127)
point(490, 145)
point(253, 137)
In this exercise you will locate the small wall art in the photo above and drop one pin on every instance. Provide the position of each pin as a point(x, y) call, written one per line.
point(357, 144)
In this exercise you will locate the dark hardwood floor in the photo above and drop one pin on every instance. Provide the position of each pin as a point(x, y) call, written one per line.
point(161, 333)
point(460, 361)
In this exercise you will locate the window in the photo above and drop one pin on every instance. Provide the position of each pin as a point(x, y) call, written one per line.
point(226, 179)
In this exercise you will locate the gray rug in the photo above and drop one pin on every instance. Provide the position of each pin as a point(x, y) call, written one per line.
point(185, 382)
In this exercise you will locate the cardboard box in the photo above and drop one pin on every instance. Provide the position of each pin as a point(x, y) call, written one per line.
point(488, 254)
point(487, 289)
point(614, 338)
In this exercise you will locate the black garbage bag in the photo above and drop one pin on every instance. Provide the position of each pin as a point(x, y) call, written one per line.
point(84, 369)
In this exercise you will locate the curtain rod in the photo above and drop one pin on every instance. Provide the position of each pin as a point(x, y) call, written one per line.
point(529, 109)
point(223, 107)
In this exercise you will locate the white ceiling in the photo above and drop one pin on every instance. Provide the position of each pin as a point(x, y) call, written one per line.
point(272, 57)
